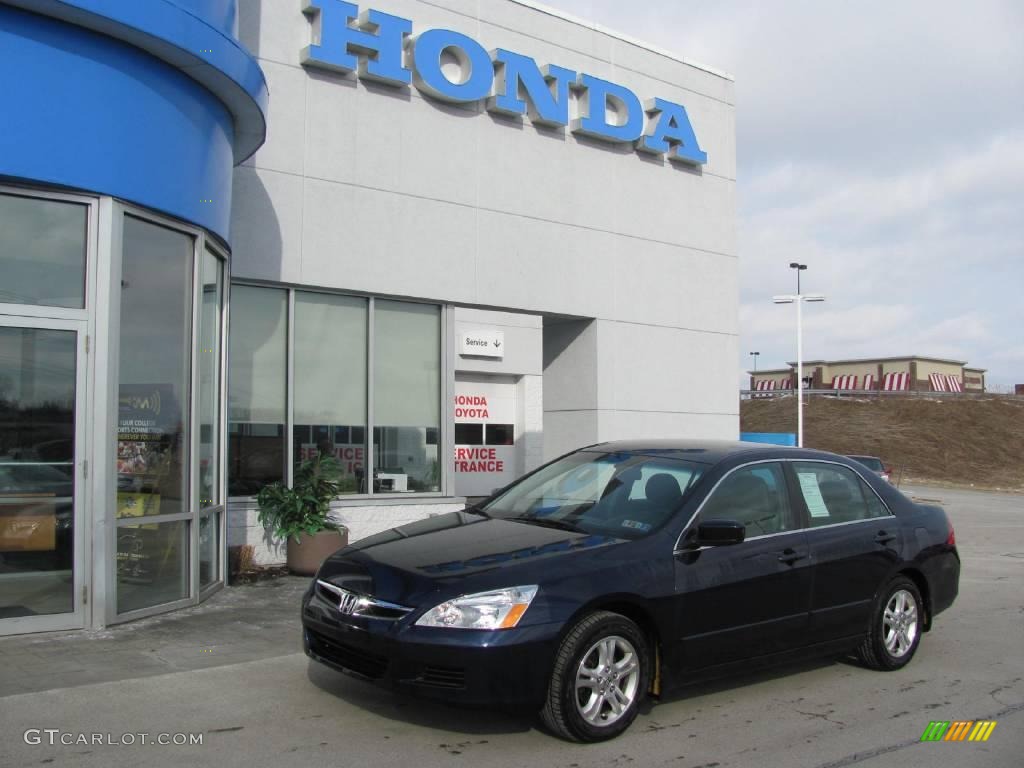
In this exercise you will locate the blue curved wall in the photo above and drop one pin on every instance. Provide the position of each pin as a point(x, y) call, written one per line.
point(147, 121)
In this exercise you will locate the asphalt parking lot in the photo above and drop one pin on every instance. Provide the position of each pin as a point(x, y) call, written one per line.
point(267, 707)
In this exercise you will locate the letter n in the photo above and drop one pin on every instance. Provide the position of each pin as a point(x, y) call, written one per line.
point(547, 88)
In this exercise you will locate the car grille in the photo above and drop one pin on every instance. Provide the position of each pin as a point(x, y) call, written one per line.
point(348, 656)
point(355, 604)
point(441, 677)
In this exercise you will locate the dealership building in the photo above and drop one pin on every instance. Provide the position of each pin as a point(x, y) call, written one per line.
point(441, 241)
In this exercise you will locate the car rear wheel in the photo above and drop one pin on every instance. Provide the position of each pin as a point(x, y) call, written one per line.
point(895, 626)
point(600, 677)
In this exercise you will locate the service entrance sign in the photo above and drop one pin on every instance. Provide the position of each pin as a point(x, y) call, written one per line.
point(485, 435)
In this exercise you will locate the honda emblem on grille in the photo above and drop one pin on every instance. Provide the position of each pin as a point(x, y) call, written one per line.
point(347, 603)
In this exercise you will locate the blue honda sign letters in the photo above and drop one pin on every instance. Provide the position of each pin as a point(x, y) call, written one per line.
point(382, 47)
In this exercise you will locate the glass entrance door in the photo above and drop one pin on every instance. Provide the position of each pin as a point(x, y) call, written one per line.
point(42, 365)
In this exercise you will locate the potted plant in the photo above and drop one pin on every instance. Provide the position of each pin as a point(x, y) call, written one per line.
point(300, 513)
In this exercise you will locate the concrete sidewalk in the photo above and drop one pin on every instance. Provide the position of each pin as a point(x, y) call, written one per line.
point(238, 624)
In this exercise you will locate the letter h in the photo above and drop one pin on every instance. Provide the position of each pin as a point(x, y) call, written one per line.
point(373, 45)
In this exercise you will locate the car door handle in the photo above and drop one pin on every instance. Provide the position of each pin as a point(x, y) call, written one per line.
point(884, 538)
point(790, 556)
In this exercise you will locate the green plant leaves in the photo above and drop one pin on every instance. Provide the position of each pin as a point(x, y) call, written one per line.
point(303, 508)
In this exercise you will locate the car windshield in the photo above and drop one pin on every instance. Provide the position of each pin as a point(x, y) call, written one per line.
point(627, 495)
point(870, 462)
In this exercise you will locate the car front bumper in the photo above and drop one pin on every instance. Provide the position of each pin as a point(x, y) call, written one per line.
point(505, 669)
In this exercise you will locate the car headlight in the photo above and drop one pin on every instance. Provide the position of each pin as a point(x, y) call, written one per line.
point(499, 609)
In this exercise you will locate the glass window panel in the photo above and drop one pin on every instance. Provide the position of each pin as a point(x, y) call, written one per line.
point(152, 564)
point(37, 477)
point(330, 382)
point(42, 252)
point(153, 396)
point(257, 403)
point(501, 434)
point(755, 496)
point(832, 494)
point(469, 434)
point(407, 388)
point(211, 304)
point(209, 550)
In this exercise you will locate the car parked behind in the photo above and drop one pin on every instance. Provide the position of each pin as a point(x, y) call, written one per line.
point(876, 465)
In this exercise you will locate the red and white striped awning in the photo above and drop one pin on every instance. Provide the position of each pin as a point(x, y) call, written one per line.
point(845, 382)
point(896, 382)
point(942, 382)
point(869, 381)
point(764, 385)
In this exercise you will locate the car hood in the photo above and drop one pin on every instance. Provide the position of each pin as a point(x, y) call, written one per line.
point(454, 554)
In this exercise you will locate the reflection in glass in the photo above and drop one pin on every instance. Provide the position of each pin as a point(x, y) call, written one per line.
point(209, 550)
point(152, 564)
point(37, 478)
point(407, 387)
point(257, 398)
point(208, 465)
point(330, 383)
point(152, 439)
point(42, 252)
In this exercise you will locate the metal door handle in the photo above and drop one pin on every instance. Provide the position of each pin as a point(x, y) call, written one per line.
point(790, 556)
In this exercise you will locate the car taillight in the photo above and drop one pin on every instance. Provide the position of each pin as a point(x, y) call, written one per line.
point(951, 539)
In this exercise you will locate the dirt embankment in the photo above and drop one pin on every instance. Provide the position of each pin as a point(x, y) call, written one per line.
point(946, 441)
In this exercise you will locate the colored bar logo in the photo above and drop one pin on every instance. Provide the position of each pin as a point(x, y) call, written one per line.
point(958, 730)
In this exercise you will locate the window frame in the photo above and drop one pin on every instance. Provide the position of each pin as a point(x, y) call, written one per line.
point(446, 392)
point(800, 509)
point(201, 242)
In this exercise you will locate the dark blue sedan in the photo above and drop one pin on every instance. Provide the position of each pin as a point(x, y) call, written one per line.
point(624, 570)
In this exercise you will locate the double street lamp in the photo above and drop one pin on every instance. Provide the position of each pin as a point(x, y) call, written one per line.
point(755, 356)
point(799, 298)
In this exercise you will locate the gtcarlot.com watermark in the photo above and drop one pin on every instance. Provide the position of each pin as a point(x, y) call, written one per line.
point(55, 737)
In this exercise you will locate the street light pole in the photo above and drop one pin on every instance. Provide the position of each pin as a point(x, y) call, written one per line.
point(755, 355)
point(799, 299)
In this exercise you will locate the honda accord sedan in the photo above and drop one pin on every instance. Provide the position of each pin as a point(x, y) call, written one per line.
point(623, 570)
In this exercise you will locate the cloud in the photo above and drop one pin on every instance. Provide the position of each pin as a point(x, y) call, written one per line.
point(881, 143)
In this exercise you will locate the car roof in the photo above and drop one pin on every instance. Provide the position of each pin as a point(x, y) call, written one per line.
point(707, 451)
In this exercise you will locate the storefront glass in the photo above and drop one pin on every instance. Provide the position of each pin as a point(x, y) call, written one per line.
point(330, 383)
point(42, 252)
point(154, 391)
point(152, 564)
point(211, 287)
point(407, 396)
point(154, 398)
point(257, 405)
point(37, 471)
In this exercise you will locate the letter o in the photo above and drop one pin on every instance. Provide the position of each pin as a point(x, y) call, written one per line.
point(476, 64)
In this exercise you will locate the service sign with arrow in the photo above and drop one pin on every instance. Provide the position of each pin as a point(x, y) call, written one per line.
point(483, 343)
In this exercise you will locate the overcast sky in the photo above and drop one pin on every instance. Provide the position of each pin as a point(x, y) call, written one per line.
point(880, 142)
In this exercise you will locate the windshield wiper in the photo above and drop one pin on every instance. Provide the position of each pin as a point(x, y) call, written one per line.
point(546, 522)
point(474, 509)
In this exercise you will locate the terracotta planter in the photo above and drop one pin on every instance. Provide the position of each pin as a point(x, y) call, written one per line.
point(304, 557)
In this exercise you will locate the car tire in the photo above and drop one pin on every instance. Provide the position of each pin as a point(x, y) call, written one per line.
point(896, 624)
point(600, 677)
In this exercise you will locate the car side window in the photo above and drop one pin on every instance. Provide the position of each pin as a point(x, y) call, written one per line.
point(834, 494)
point(754, 496)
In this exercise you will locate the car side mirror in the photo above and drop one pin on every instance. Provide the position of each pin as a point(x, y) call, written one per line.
point(718, 533)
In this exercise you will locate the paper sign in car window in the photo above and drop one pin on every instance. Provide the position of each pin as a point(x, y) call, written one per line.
point(812, 494)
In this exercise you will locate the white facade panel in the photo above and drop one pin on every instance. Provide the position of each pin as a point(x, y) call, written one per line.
point(611, 274)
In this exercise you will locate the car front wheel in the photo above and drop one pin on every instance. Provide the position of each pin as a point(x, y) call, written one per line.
point(600, 677)
point(896, 625)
